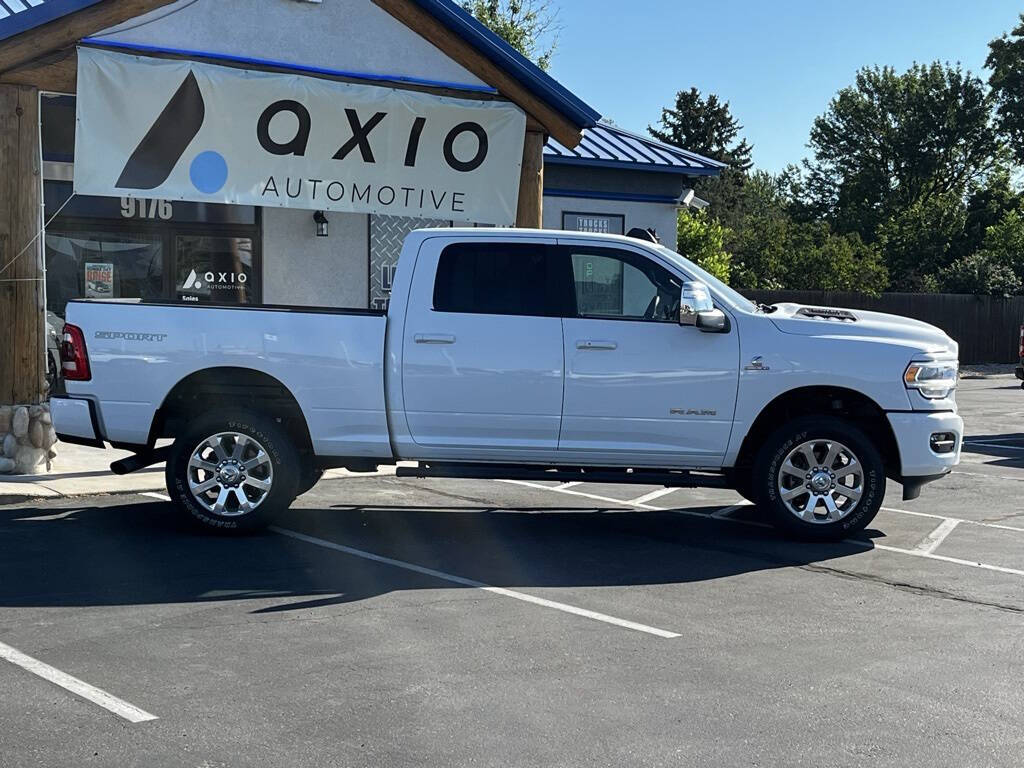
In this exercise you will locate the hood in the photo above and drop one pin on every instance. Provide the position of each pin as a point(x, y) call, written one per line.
point(806, 320)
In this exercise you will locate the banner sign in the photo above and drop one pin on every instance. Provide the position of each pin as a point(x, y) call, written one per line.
point(184, 130)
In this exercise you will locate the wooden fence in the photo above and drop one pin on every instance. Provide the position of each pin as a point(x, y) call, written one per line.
point(987, 327)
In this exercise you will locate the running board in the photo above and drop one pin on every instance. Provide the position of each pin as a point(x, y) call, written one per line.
point(668, 478)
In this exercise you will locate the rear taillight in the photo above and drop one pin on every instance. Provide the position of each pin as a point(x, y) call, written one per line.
point(1020, 346)
point(74, 360)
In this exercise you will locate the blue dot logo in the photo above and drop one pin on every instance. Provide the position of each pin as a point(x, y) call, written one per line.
point(209, 172)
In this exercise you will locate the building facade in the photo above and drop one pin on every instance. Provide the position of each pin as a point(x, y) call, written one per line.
point(83, 82)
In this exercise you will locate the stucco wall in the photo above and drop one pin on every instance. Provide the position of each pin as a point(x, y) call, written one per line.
point(352, 35)
point(300, 268)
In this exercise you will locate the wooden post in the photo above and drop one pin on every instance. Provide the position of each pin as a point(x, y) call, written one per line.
point(531, 182)
point(22, 341)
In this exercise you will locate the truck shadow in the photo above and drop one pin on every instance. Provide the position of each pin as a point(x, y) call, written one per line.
point(1007, 448)
point(137, 554)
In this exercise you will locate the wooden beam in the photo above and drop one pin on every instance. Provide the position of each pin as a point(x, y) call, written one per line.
point(58, 72)
point(22, 341)
point(427, 27)
point(531, 183)
point(68, 30)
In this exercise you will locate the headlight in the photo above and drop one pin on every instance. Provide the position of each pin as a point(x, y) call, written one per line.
point(933, 380)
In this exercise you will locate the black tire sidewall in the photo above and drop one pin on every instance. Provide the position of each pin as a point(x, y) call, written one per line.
point(777, 448)
point(275, 442)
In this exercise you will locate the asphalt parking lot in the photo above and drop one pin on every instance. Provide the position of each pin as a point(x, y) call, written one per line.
point(397, 622)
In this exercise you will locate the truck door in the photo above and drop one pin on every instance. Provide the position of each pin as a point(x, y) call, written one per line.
point(637, 383)
point(482, 367)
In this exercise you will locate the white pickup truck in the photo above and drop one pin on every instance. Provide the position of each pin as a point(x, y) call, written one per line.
point(521, 354)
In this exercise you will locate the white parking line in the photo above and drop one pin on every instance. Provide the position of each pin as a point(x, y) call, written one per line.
point(652, 495)
point(1019, 438)
point(605, 499)
point(931, 542)
point(565, 608)
point(155, 495)
point(866, 544)
point(101, 698)
point(563, 486)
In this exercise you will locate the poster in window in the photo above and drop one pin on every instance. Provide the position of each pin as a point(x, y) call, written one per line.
point(99, 280)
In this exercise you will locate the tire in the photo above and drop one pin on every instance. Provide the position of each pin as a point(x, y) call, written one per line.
point(787, 488)
point(309, 476)
point(266, 473)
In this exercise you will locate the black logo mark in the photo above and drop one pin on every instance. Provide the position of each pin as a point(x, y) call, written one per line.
point(165, 142)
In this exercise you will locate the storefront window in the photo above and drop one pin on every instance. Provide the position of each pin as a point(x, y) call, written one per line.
point(102, 265)
point(215, 269)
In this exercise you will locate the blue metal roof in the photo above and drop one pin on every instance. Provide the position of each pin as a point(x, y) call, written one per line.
point(17, 16)
point(609, 146)
point(507, 58)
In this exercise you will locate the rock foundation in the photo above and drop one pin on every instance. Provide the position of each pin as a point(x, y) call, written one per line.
point(27, 439)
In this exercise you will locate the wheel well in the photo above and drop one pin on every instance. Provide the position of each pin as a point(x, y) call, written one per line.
point(830, 401)
point(221, 388)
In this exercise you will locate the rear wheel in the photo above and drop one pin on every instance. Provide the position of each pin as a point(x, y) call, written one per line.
point(820, 477)
point(233, 472)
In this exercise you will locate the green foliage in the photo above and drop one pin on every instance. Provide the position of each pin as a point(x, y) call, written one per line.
point(1006, 60)
point(891, 141)
point(775, 252)
point(529, 26)
point(705, 126)
point(920, 240)
point(978, 273)
point(701, 239)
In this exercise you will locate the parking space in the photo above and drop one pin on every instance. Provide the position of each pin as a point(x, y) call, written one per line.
point(456, 622)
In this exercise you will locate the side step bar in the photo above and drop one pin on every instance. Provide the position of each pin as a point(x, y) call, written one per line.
point(668, 478)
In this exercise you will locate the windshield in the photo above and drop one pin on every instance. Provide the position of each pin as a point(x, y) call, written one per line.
point(731, 295)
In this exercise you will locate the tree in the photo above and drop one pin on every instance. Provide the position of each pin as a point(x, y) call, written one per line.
point(892, 141)
point(921, 239)
point(529, 26)
point(706, 126)
point(978, 273)
point(701, 239)
point(1006, 60)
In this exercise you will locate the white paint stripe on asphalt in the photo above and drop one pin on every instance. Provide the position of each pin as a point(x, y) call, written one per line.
point(1019, 438)
point(565, 608)
point(606, 499)
point(727, 511)
point(99, 697)
point(865, 544)
point(652, 495)
point(931, 542)
point(980, 523)
point(563, 486)
point(155, 495)
point(945, 559)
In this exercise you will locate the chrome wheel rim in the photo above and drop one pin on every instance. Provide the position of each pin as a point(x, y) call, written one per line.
point(230, 474)
point(821, 481)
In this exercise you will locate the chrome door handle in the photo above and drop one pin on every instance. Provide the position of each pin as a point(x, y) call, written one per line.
point(434, 338)
point(595, 344)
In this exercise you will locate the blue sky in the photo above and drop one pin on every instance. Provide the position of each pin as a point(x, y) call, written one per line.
point(777, 63)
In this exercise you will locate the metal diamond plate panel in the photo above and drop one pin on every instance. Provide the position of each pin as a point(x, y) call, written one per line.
point(387, 233)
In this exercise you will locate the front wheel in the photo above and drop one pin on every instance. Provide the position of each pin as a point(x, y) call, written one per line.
point(821, 478)
point(233, 472)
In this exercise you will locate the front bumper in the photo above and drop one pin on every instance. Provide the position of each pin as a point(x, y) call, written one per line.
point(919, 463)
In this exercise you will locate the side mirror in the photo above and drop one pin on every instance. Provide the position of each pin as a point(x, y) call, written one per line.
point(695, 301)
point(712, 321)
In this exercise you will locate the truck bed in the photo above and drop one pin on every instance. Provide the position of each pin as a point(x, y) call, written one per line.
point(331, 360)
